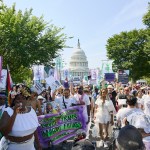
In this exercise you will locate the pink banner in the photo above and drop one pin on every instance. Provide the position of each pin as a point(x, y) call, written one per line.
point(1, 61)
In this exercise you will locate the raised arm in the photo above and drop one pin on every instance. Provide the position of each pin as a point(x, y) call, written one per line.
point(7, 122)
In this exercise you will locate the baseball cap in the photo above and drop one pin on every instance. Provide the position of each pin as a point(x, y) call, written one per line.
point(109, 87)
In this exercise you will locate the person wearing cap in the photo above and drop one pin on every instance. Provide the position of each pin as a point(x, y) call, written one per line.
point(112, 94)
point(42, 101)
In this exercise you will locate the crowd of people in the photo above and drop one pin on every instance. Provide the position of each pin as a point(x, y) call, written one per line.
point(19, 122)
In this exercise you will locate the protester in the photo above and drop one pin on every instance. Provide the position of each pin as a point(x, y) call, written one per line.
point(94, 98)
point(124, 112)
point(142, 123)
point(129, 138)
point(104, 115)
point(2, 106)
point(42, 101)
point(112, 95)
point(146, 103)
point(65, 101)
point(19, 125)
point(139, 99)
point(83, 99)
point(13, 93)
point(32, 101)
point(50, 109)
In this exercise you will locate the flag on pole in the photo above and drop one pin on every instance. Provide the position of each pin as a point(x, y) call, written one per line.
point(8, 86)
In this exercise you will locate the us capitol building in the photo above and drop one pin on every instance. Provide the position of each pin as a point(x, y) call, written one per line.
point(78, 65)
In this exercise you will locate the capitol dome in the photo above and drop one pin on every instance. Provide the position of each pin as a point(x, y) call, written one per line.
point(78, 65)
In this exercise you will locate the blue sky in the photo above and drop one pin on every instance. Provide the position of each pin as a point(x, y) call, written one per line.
point(92, 21)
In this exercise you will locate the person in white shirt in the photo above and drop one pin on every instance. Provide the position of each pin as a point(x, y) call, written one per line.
point(140, 101)
point(142, 122)
point(124, 112)
point(83, 99)
point(147, 103)
point(65, 101)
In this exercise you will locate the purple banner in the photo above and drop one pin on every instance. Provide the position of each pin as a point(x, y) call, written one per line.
point(55, 128)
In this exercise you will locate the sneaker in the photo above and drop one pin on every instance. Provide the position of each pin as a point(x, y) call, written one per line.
point(105, 145)
point(101, 143)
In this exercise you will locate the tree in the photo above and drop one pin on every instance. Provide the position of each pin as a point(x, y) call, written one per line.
point(26, 39)
point(146, 17)
point(131, 51)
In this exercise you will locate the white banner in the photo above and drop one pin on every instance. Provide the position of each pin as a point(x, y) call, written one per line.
point(38, 87)
point(53, 83)
point(38, 72)
point(94, 74)
point(3, 79)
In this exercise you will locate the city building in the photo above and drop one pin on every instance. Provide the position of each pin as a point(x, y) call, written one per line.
point(78, 65)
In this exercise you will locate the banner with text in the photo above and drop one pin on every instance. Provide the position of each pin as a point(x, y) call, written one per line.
point(56, 128)
point(123, 76)
point(3, 80)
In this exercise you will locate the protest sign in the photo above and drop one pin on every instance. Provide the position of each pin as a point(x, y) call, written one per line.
point(56, 128)
point(123, 77)
point(3, 79)
point(38, 87)
point(38, 72)
point(53, 83)
point(110, 77)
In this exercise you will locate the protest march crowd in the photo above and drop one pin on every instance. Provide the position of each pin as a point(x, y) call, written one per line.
point(124, 108)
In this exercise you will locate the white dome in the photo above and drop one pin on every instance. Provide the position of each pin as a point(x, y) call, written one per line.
point(78, 64)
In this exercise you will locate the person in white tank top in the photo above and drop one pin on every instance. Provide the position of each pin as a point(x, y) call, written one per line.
point(19, 126)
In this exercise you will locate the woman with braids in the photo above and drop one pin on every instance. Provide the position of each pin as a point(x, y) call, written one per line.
point(104, 115)
point(19, 125)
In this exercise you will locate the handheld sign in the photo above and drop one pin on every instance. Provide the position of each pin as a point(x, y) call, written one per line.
point(55, 128)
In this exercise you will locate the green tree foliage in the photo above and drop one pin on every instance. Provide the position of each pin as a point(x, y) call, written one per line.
point(26, 39)
point(131, 51)
point(146, 17)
